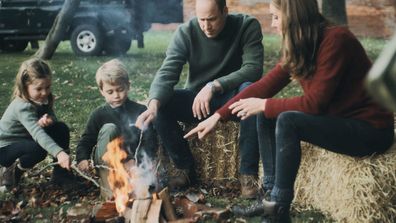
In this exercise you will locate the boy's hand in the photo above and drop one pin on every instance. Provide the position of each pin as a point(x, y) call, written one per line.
point(45, 121)
point(144, 119)
point(83, 165)
point(63, 160)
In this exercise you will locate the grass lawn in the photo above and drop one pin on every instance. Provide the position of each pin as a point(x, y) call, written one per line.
point(77, 95)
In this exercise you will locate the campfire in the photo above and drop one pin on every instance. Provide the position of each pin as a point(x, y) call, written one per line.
point(133, 184)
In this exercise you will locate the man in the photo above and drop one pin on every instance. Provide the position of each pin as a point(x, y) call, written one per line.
point(223, 52)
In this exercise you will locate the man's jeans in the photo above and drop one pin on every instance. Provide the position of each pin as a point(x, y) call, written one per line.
point(281, 152)
point(179, 108)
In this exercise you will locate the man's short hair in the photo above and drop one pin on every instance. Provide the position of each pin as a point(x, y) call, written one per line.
point(112, 72)
point(221, 4)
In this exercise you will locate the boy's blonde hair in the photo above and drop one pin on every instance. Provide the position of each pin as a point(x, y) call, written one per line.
point(112, 72)
point(30, 70)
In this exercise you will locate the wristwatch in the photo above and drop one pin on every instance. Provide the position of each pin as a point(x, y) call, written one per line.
point(212, 86)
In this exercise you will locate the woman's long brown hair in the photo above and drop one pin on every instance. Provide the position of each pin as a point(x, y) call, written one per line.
point(302, 27)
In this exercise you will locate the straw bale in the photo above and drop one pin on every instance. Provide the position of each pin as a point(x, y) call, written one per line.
point(345, 188)
point(216, 157)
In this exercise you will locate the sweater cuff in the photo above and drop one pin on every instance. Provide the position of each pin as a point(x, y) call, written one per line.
point(271, 108)
point(224, 113)
point(54, 152)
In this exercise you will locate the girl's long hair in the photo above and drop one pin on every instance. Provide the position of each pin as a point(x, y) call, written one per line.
point(302, 28)
point(29, 71)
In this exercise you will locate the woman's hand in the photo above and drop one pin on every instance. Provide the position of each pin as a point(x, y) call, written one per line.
point(83, 165)
point(63, 160)
point(45, 121)
point(244, 108)
point(204, 127)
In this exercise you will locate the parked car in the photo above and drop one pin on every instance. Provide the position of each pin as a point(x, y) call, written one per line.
point(97, 26)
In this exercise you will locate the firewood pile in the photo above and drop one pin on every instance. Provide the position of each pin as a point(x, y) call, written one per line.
point(160, 207)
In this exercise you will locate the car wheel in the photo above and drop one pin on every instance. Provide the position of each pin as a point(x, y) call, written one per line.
point(86, 40)
point(117, 46)
point(13, 45)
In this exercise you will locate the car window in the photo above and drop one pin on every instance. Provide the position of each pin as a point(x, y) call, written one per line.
point(18, 3)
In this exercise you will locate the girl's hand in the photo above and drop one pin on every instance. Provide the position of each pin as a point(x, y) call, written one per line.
point(204, 127)
point(63, 160)
point(45, 121)
point(244, 108)
point(83, 165)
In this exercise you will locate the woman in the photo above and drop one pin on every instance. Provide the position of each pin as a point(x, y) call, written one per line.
point(334, 112)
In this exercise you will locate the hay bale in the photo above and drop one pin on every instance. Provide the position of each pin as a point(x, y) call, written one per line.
point(345, 188)
point(216, 157)
point(348, 189)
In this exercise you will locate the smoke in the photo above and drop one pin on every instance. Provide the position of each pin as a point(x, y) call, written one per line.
point(141, 147)
point(143, 178)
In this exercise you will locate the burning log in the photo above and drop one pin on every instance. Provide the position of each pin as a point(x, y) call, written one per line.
point(148, 210)
point(143, 211)
point(130, 182)
point(168, 209)
point(105, 212)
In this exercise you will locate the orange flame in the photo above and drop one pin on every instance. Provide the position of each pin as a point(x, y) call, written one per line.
point(118, 176)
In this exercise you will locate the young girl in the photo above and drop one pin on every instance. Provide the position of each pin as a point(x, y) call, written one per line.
point(29, 129)
point(334, 112)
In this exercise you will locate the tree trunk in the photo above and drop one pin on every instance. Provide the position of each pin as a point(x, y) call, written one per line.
point(136, 10)
point(335, 11)
point(58, 29)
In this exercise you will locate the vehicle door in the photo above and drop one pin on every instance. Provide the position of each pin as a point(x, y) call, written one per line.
point(14, 15)
point(43, 16)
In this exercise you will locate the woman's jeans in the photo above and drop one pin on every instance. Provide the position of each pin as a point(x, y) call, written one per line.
point(30, 152)
point(281, 152)
point(179, 108)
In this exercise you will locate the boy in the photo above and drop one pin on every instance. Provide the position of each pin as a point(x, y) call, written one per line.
point(115, 118)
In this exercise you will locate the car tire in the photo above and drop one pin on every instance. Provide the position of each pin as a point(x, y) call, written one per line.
point(13, 45)
point(117, 46)
point(86, 40)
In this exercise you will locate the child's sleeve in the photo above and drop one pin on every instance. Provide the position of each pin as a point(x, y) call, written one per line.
point(88, 139)
point(28, 117)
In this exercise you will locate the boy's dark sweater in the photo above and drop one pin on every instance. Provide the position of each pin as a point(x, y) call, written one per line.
point(124, 117)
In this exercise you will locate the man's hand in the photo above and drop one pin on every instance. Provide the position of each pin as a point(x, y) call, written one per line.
point(63, 160)
point(83, 165)
point(201, 104)
point(45, 121)
point(144, 119)
point(247, 107)
point(204, 127)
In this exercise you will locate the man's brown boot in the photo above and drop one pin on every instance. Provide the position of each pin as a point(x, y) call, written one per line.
point(181, 179)
point(249, 188)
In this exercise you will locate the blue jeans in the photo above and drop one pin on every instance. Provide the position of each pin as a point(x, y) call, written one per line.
point(179, 108)
point(281, 152)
